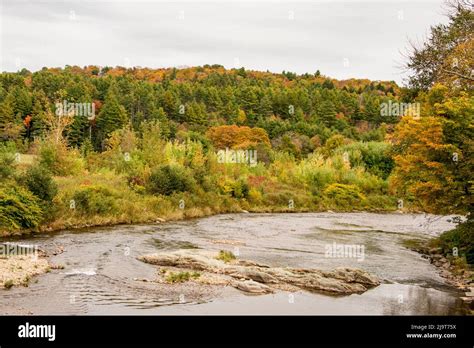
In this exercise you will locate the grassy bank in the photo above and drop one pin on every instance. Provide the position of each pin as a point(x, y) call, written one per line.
point(105, 198)
point(142, 177)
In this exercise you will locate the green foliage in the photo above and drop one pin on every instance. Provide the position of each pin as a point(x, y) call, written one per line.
point(226, 256)
point(433, 61)
point(56, 158)
point(321, 177)
point(235, 188)
point(157, 132)
point(93, 200)
point(112, 116)
point(373, 156)
point(346, 196)
point(180, 277)
point(462, 238)
point(19, 208)
point(10, 121)
point(332, 144)
point(40, 182)
point(169, 179)
point(7, 160)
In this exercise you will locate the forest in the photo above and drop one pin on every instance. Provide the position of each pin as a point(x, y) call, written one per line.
point(87, 146)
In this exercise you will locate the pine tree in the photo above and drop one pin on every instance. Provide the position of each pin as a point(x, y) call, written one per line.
point(327, 113)
point(10, 124)
point(39, 116)
point(196, 113)
point(21, 101)
point(265, 107)
point(78, 130)
point(112, 116)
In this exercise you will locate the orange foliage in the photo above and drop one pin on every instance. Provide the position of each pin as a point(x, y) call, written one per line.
point(420, 163)
point(27, 121)
point(237, 137)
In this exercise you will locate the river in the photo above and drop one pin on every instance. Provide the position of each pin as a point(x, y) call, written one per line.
point(102, 275)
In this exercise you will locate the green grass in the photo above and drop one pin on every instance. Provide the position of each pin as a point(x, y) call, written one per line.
point(180, 277)
point(225, 256)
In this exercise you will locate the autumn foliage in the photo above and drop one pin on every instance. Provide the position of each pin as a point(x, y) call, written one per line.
point(421, 164)
point(236, 137)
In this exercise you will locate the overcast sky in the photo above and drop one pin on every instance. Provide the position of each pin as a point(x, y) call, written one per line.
point(343, 39)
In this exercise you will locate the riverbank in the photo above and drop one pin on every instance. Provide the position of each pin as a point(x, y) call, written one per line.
point(78, 222)
point(453, 268)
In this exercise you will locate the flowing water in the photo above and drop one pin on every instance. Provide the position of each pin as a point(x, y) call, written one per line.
point(101, 274)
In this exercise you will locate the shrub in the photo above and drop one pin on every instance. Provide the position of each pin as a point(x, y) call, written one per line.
point(181, 277)
point(58, 159)
point(344, 195)
point(279, 198)
point(462, 237)
point(169, 179)
point(374, 156)
point(332, 144)
point(7, 161)
point(19, 208)
point(39, 181)
point(240, 189)
point(95, 200)
point(321, 177)
point(225, 256)
point(255, 196)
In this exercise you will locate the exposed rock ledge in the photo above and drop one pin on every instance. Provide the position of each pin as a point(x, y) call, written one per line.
point(253, 277)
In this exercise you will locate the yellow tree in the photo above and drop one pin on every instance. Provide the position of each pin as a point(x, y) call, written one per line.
point(422, 171)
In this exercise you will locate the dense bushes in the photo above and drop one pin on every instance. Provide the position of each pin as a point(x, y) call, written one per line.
point(94, 200)
point(462, 237)
point(345, 196)
point(374, 156)
point(7, 160)
point(235, 188)
point(168, 179)
point(141, 176)
point(19, 208)
point(40, 182)
point(58, 159)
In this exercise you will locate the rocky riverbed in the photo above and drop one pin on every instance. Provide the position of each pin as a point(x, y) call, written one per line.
point(281, 257)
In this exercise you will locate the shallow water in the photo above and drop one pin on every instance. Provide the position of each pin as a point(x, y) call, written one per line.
point(101, 274)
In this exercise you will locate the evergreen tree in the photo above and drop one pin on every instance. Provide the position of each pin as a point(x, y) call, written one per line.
point(39, 115)
point(112, 116)
point(327, 113)
point(196, 113)
point(10, 124)
point(265, 108)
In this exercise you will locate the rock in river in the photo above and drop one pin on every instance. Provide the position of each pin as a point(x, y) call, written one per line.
point(259, 278)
